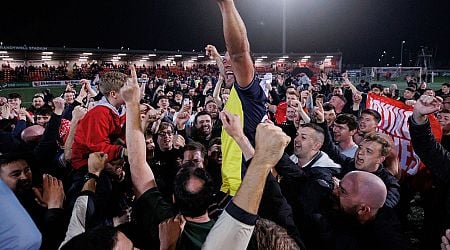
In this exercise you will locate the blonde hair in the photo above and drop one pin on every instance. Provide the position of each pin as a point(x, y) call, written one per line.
point(112, 81)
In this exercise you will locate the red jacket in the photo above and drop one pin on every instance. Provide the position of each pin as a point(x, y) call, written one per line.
point(96, 132)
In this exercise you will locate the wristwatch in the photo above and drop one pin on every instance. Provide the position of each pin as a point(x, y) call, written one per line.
point(89, 176)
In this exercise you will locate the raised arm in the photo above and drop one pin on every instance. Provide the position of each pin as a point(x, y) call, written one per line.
point(237, 43)
point(141, 174)
point(239, 216)
point(77, 114)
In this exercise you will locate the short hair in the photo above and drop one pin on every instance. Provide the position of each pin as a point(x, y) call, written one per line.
point(210, 101)
point(269, 235)
point(37, 96)
point(100, 237)
point(14, 95)
point(320, 132)
point(445, 111)
point(200, 114)
point(16, 156)
point(192, 203)
point(112, 81)
point(376, 137)
point(214, 141)
point(292, 92)
point(162, 97)
point(373, 86)
point(446, 84)
point(195, 146)
point(328, 107)
point(372, 113)
point(348, 119)
point(165, 125)
point(410, 89)
point(44, 110)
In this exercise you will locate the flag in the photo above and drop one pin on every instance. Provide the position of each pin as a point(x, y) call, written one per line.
point(394, 122)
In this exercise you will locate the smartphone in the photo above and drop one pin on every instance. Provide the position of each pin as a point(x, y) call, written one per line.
point(186, 101)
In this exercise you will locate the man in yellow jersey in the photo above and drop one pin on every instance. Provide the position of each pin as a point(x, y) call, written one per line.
point(247, 100)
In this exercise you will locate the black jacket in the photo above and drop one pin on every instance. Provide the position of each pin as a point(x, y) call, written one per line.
point(434, 156)
point(307, 190)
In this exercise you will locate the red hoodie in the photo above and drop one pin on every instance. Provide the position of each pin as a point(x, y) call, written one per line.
point(96, 132)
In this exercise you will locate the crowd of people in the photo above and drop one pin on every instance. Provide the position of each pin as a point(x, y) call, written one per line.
point(226, 160)
point(45, 72)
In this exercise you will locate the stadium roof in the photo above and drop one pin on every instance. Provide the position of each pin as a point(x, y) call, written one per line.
point(26, 53)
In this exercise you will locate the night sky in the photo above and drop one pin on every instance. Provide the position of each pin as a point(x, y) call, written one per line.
point(361, 29)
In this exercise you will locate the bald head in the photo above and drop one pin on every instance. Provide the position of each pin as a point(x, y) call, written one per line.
point(367, 188)
point(32, 133)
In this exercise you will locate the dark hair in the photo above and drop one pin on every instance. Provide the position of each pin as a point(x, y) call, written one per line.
point(195, 146)
point(410, 89)
point(445, 111)
point(319, 130)
point(200, 114)
point(373, 113)
point(328, 107)
point(98, 238)
point(37, 96)
point(162, 97)
point(373, 86)
point(210, 101)
point(214, 141)
point(314, 126)
point(14, 157)
point(348, 119)
point(446, 84)
point(14, 95)
point(165, 125)
point(192, 203)
point(44, 110)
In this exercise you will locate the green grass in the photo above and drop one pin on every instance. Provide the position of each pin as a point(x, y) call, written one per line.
point(28, 93)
